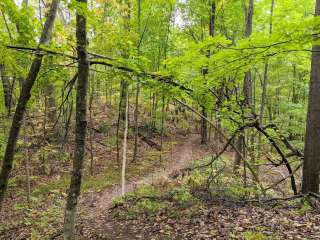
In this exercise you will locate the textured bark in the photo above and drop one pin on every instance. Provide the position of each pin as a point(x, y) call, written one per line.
point(311, 164)
point(212, 19)
point(81, 125)
point(6, 87)
point(122, 105)
point(23, 100)
point(248, 18)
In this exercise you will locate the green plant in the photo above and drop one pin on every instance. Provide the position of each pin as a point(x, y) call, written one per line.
point(249, 235)
point(182, 195)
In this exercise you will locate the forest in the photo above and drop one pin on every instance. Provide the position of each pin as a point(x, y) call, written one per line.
point(159, 119)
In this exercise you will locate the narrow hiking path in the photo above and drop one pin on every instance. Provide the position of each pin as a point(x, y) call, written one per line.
point(94, 207)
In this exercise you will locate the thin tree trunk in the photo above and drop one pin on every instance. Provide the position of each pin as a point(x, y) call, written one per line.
point(23, 100)
point(124, 154)
point(204, 110)
point(247, 89)
point(162, 123)
point(136, 109)
point(6, 87)
point(265, 84)
point(136, 130)
point(118, 132)
point(311, 163)
point(81, 125)
point(204, 126)
point(49, 92)
point(91, 123)
point(124, 90)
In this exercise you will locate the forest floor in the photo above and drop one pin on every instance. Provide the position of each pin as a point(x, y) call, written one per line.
point(162, 208)
point(160, 203)
point(95, 207)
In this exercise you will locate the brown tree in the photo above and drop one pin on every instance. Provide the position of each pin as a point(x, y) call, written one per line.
point(81, 123)
point(311, 164)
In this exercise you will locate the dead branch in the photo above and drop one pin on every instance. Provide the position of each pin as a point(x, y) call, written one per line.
point(284, 159)
point(294, 151)
point(150, 142)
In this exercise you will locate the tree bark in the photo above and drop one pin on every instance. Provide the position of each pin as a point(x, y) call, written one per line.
point(6, 88)
point(23, 100)
point(81, 125)
point(124, 153)
point(311, 164)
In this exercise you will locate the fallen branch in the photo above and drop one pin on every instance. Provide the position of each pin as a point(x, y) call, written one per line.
point(149, 142)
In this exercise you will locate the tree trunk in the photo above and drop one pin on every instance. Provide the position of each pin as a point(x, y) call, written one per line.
point(49, 92)
point(123, 94)
point(136, 130)
point(81, 125)
point(264, 84)
point(311, 164)
point(23, 100)
point(248, 78)
point(124, 154)
point(247, 88)
point(136, 109)
point(204, 125)
point(6, 88)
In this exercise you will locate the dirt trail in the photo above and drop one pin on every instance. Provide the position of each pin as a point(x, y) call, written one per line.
point(183, 153)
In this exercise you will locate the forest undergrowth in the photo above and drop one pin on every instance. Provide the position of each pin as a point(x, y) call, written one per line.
point(187, 208)
point(36, 194)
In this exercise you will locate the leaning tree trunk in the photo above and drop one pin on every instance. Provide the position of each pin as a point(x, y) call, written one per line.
point(23, 100)
point(311, 164)
point(81, 124)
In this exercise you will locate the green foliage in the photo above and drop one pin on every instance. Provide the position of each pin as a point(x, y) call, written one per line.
point(249, 235)
point(149, 206)
point(182, 196)
point(305, 207)
point(104, 127)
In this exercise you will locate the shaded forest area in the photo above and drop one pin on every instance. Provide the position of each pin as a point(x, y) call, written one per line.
point(159, 119)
